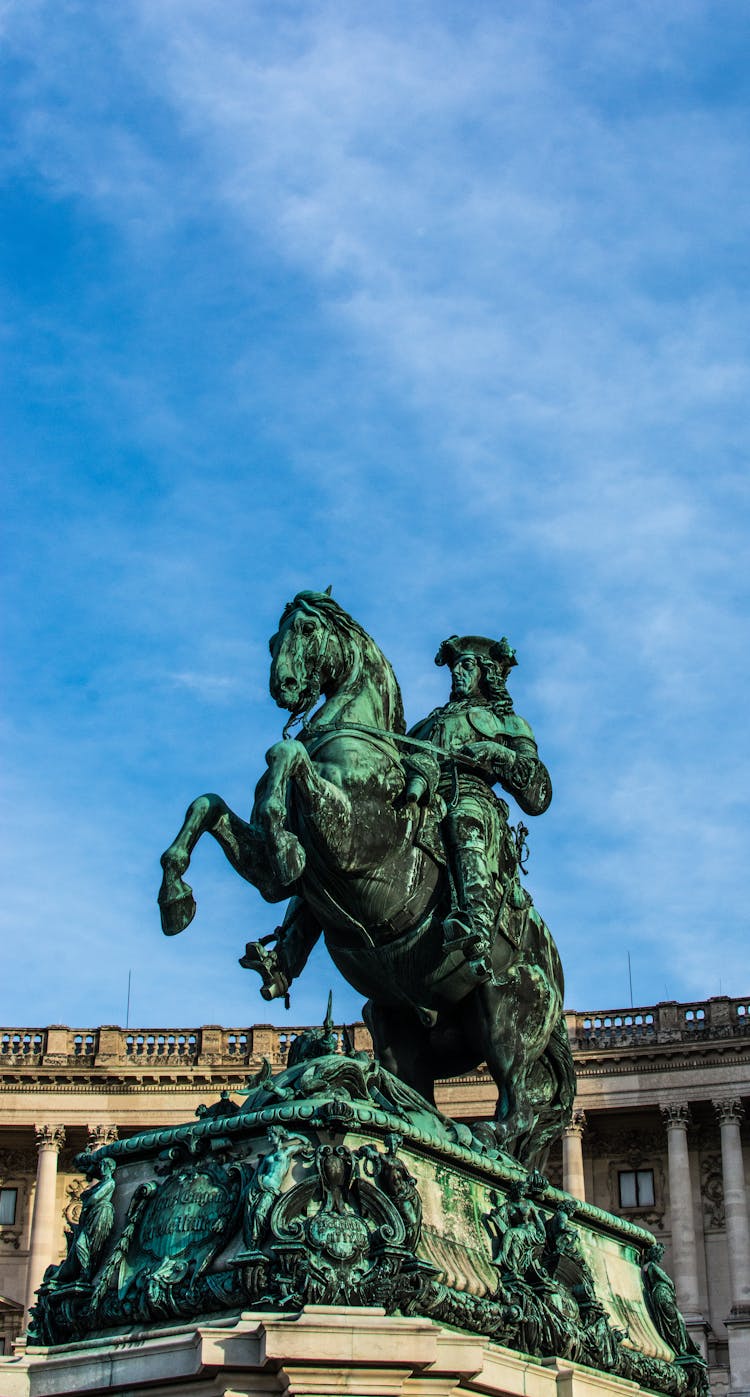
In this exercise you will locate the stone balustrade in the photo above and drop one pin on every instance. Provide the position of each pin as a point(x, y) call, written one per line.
point(668, 1022)
point(212, 1045)
point(115, 1047)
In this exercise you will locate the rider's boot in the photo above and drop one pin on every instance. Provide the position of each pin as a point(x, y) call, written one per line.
point(471, 928)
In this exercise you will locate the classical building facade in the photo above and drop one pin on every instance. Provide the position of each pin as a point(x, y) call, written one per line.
point(658, 1135)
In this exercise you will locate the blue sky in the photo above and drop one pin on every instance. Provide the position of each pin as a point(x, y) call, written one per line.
point(445, 305)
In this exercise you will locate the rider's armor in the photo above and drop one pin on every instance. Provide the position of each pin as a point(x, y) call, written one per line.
point(478, 842)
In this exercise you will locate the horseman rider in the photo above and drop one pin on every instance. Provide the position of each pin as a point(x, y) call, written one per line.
point(461, 750)
point(478, 740)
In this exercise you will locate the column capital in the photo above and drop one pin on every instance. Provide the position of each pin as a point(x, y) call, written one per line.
point(729, 1108)
point(101, 1134)
point(49, 1137)
point(576, 1124)
point(676, 1115)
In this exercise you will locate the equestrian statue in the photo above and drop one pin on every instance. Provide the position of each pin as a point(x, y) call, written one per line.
point(395, 848)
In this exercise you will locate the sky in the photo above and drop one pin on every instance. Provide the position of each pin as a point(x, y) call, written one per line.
point(445, 305)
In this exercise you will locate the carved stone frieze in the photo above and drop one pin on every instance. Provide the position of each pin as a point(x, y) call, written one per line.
point(631, 1145)
point(554, 1172)
point(16, 1163)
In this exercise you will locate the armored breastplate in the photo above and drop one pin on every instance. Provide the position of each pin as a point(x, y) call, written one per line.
point(449, 727)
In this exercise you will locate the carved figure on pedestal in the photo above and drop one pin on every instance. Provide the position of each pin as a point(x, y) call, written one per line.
point(88, 1237)
point(267, 1182)
point(397, 1183)
point(661, 1299)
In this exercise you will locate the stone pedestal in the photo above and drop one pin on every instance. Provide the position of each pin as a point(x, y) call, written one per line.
point(323, 1351)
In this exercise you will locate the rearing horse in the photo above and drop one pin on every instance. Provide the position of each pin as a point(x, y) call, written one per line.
point(330, 829)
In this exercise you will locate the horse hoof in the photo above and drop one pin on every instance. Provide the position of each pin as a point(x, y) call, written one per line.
point(177, 908)
point(288, 858)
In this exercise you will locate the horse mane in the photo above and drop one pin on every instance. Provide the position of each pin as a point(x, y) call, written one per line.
point(366, 658)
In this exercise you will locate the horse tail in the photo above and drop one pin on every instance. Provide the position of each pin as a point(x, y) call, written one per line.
point(556, 1069)
point(560, 1059)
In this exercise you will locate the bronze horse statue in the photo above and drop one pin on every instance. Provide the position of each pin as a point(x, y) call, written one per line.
point(330, 829)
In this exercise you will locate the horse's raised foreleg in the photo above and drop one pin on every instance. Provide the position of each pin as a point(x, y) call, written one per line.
point(209, 814)
point(326, 807)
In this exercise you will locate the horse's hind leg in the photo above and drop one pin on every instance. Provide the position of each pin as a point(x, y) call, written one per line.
point(402, 1046)
point(209, 814)
point(489, 1021)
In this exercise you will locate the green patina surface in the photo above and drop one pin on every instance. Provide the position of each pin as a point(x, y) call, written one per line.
point(398, 849)
point(338, 1182)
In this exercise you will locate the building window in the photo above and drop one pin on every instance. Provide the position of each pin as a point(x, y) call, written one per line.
point(8, 1202)
point(636, 1188)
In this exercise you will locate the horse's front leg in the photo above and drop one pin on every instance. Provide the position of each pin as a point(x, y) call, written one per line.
point(326, 806)
point(209, 814)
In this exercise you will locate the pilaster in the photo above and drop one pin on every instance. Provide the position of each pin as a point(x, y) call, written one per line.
point(730, 1113)
point(572, 1147)
point(49, 1141)
point(676, 1117)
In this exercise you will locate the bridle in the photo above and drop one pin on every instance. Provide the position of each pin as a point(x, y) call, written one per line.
point(300, 715)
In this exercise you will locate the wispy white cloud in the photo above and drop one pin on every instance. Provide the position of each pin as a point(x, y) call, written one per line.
point(463, 319)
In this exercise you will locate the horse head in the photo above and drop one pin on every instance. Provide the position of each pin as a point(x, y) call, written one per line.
point(320, 649)
point(304, 652)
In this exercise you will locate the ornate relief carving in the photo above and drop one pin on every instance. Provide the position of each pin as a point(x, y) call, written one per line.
point(101, 1134)
point(676, 1115)
point(50, 1137)
point(577, 1124)
point(712, 1190)
point(72, 1209)
point(729, 1108)
point(632, 1145)
point(554, 1172)
point(14, 1163)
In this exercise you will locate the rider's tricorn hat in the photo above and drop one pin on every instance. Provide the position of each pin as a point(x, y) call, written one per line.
point(499, 651)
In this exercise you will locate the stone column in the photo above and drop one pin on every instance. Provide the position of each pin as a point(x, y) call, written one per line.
point(50, 1140)
point(572, 1143)
point(730, 1113)
point(684, 1251)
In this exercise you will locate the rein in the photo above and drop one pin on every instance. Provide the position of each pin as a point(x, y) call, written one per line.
point(395, 738)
